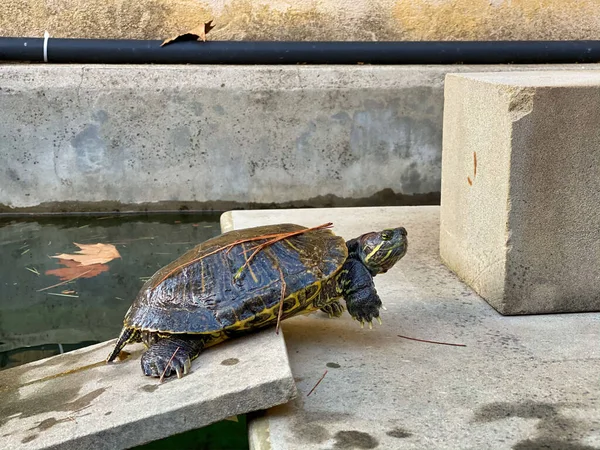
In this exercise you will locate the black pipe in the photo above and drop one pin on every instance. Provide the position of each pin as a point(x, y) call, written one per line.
point(267, 52)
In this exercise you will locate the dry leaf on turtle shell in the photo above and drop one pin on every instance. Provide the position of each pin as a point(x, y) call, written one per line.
point(92, 254)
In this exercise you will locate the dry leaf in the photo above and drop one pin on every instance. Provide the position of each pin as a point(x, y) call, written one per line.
point(75, 270)
point(195, 34)
point(92, 254)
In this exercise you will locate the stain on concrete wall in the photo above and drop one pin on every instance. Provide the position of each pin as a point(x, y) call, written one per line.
point(497, 19)
point(306, 19)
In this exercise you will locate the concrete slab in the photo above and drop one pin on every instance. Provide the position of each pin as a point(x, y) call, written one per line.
point(520, 382)
point(520, 181)
point(76, 401)
point(74, 137)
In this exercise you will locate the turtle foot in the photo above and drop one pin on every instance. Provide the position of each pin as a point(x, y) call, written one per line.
point(365, 309)
point(170, 356)
point(333, 309)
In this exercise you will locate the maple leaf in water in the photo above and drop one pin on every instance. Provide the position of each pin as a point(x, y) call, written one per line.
point(91, 254)
point(75, 270)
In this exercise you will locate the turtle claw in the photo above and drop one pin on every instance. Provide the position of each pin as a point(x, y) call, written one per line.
point(179, 371)
point(384, 308)
point(379, 320)
point(170, 356)
point(333, 309)
point(370, 325)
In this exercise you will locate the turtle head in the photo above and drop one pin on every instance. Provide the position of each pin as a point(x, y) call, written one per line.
point(379, 251)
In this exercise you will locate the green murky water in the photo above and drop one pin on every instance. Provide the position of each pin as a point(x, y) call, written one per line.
point(50, 306)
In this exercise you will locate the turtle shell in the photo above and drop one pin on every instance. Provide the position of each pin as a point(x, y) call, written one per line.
point(205, 290)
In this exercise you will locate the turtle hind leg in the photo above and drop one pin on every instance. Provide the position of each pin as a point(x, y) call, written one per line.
point(127, 335)
point(333, 309)
point(171, 355)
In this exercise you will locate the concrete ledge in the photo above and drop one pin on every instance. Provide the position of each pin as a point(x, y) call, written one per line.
point(76, 401)
point(518, 383)
point(204, 137)
point(520, 181)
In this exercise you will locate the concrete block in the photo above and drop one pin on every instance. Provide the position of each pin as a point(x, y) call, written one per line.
point(76, 401)
point(518, 383)
point(100, 138)
point(520, 221)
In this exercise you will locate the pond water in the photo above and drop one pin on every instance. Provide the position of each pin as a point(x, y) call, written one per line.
point(37, 320)
point(52, 305)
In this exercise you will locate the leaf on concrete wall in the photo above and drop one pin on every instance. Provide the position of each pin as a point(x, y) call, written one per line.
point(195, 34)
point(91, 254)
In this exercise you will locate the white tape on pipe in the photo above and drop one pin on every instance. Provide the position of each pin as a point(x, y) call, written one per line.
point(46, 37)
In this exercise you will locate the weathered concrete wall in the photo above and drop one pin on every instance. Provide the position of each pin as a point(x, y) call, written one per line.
point(158, 137)
point(220, 136)
point(305, 19)
point(520, 221)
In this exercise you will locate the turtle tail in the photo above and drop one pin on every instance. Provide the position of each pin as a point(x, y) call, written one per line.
point(127, 335)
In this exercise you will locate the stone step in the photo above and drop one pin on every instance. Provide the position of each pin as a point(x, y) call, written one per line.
point(77, 401)
point(519, 382)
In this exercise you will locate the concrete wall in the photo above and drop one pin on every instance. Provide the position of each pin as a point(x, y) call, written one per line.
point(305, 19)
point(199, 137)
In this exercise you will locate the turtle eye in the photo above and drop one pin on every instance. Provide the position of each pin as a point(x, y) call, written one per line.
point(386, 235)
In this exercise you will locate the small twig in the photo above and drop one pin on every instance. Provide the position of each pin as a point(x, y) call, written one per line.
point(65, 282)
point(281, 237)
point(167, 366)
point(431, 342)
point(280, 313)
point(62, 295)
point(276, 237)
point(34, 270)
point(315, 386)
point(129, 241)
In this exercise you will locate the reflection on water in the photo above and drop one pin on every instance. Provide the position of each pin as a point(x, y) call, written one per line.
point(84, 311)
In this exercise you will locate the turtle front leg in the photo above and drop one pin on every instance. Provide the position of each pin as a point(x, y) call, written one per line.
point(333, 309)
point(356, 284)
point(363, 305)
point(171, 355)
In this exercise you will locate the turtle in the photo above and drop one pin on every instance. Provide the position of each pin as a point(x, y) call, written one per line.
point(227, 286)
